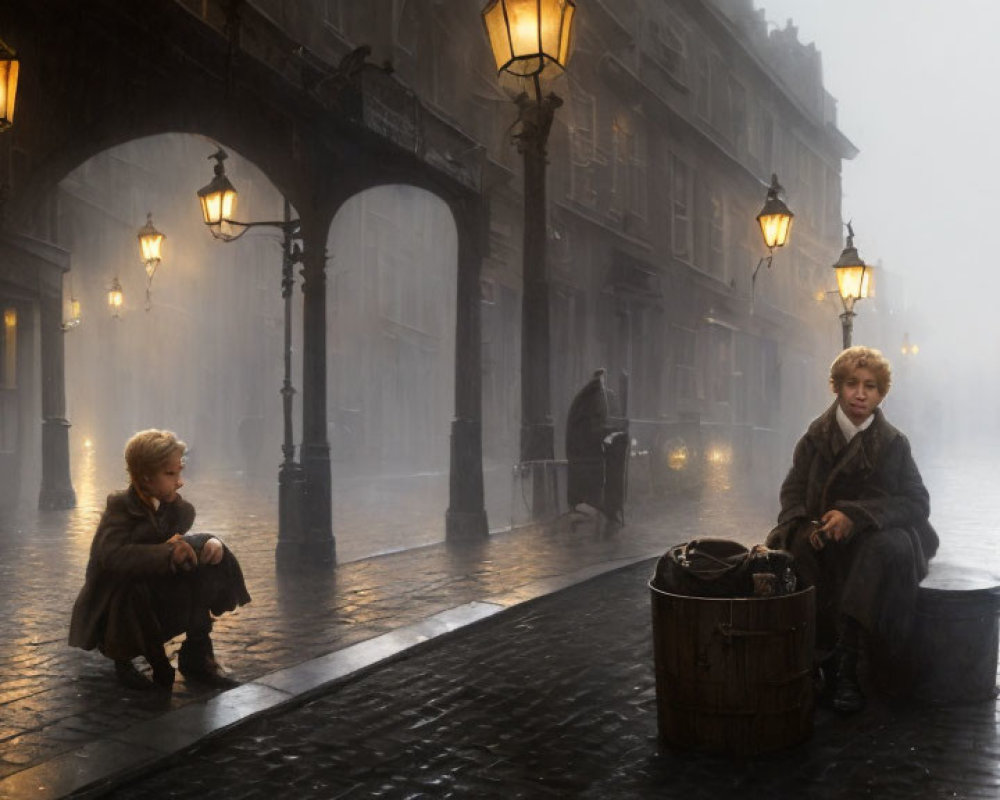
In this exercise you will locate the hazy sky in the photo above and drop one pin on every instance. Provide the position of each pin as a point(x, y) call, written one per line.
point(917, 84)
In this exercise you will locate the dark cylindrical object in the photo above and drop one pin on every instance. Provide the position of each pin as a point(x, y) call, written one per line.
point(734, 675)
point(954, 648)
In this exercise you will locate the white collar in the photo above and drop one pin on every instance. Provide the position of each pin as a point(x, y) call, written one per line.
point(848, 428)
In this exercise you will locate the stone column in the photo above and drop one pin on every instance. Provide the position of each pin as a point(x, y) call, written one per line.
point(57, 489)
point(317, 542)
point(466, 517)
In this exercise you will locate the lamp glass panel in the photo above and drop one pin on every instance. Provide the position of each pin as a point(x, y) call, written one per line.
point(150, 245)
point(524, 26)
point(852, 282)
point(115, 298)
point(218, 206)
point(496, 29)
point(565, 33)
point(550, 26)
point(775, 228)
point(8, 91)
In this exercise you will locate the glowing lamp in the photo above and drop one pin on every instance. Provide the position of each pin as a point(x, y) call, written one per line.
point(150, 244)
point(74, 318)
point(10, 318)
point(853, 275)
point(775, 218)
point(528, 35)
point(115, 297)
point(719, 455)
point(8, 85)
point(677, 458)
point(218, 201)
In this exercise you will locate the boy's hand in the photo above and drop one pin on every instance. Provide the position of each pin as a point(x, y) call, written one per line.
point(212, 552)
point(182, 554)
point(837, 525)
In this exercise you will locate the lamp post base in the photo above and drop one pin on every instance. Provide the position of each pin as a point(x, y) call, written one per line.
point(298, 554)
point(294, 547)
point(466, 527)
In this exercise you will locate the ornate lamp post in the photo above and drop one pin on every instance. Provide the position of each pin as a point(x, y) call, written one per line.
point(528, 37)
point(853, 280)
point(218, 205)
point(775, 220)
point(8, 85)
point(150, 244)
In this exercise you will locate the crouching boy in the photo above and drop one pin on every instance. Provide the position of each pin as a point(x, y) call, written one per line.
point(147, 582)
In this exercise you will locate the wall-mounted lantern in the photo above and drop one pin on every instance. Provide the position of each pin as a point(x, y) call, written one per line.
point(218, 202)
point(775, 220)
point(115, 298)
point(8, 85)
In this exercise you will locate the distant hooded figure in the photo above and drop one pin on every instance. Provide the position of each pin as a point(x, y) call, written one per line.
point(587, 425)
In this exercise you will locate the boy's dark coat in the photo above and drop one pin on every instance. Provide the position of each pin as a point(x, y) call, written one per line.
point(130, 583)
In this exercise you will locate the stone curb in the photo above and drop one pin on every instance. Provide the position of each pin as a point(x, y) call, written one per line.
point(99, 766)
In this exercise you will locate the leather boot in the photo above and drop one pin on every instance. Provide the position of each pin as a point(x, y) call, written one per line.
point(163, 672)
point(196, 661)
point(129, 677)
point(847, 695)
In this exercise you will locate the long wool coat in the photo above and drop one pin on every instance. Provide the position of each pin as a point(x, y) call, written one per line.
point(133, 597)
point(874, 480)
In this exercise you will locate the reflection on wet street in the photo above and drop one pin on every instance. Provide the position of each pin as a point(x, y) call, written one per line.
point(53, 697)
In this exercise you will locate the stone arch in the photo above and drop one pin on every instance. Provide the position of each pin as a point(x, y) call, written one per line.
point(466, 516)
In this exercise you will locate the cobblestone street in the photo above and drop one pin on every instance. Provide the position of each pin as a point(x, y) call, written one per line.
point(55, 700)
point(558, 700)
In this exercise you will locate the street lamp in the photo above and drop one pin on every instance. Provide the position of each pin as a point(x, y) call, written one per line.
point(8, 85)
point(775, 220)
point(218, 205)
point(115, 298)
point(908, 349)
point(527, 37)
point(150, 244)
point(853, 281)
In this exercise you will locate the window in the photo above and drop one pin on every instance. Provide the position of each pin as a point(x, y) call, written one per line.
point(669, 45)
point(703, 86)
point(685, 381)
point(738, 114)
point(681, 200)
point(716, 237)
point(582, 148)
point(628, 185)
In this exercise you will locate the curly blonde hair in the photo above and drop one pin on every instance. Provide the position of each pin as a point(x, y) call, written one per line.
point(147, 452)
point(860, 356)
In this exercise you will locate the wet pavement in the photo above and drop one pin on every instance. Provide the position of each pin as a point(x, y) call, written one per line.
point(557, 699)
point(60, 706)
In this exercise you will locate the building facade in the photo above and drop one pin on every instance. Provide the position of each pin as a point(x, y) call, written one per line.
point(674, 116)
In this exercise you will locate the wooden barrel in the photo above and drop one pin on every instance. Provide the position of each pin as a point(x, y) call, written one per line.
point(734, 675)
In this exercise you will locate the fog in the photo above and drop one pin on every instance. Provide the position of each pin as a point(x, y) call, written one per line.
point(913, 90)
point(203, 355)
point(915, 84)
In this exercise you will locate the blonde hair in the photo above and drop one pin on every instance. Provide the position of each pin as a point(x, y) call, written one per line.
point(860, 356)
point(148, 451)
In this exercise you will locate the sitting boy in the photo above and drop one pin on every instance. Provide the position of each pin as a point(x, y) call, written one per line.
point(146, 582)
